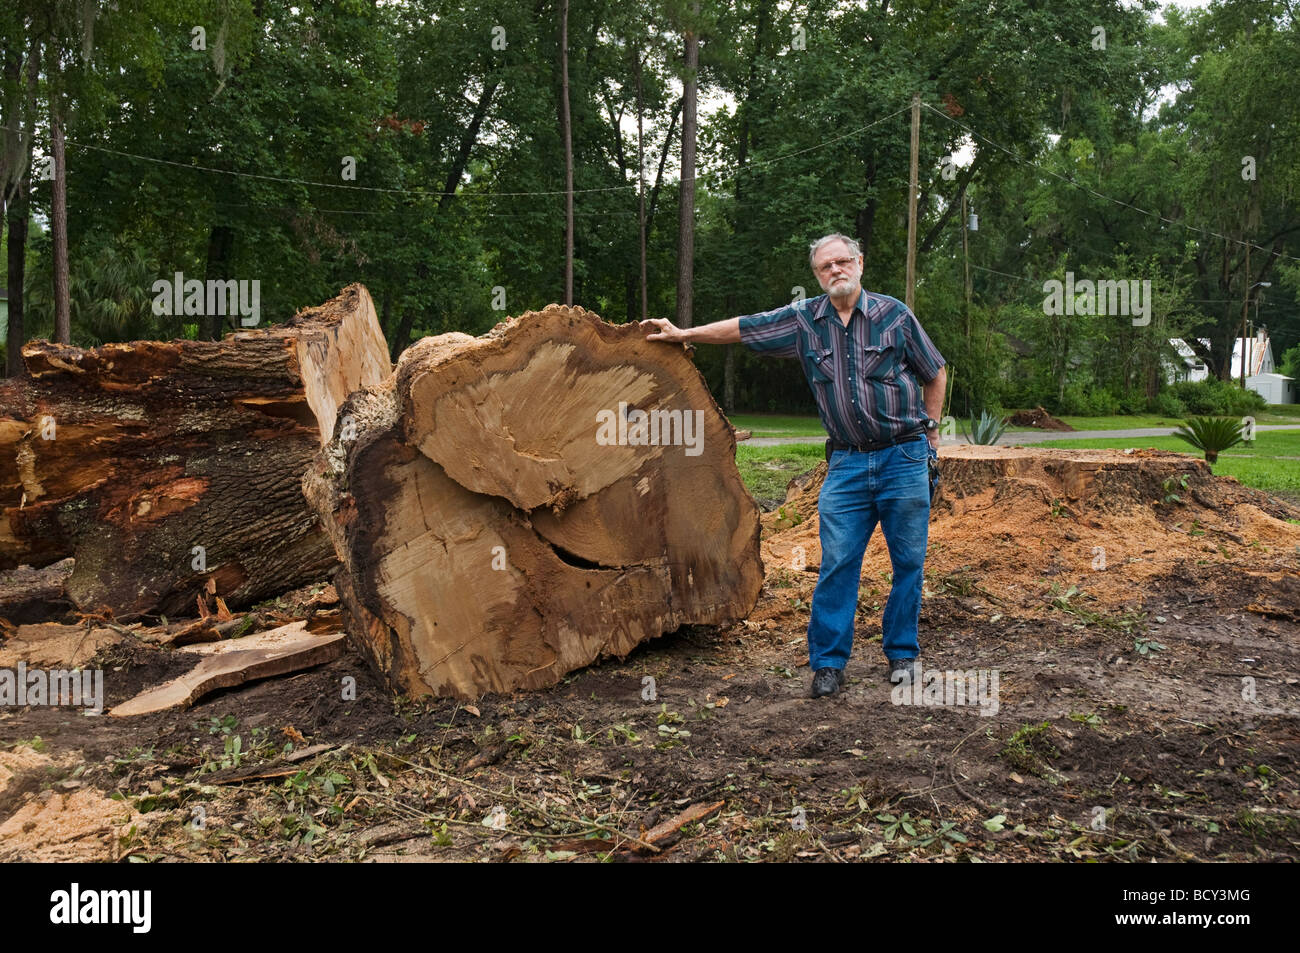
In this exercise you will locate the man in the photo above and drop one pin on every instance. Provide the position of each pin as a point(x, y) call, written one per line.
point(879, 382)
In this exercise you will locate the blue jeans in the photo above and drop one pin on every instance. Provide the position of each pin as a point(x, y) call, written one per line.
point(890, 486)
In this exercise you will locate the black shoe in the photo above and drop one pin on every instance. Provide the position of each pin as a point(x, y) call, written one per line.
point(908, 669)
point(827, 681)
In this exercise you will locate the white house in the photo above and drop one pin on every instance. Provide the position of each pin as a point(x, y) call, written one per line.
point(1261, 372)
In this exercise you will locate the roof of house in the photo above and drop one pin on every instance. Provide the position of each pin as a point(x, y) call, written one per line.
point(1260, 344)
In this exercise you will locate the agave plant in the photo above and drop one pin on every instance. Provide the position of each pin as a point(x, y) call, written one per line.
point(1210, 434)
point(986, 429)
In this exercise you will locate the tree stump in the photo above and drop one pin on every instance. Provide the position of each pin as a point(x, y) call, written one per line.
point(511, 507)
point(161, 465)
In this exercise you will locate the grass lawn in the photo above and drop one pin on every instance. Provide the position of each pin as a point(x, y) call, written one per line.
point(766, 470)
point(1121, 422)
point(1276, 414)
point(1261, 465)
point(791, 425)
point(779, 425)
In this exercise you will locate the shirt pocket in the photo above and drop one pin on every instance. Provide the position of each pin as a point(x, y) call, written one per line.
point(880, 362)
point(820, 364)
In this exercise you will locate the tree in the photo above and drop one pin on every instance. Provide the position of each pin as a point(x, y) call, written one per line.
point(686, 201)
point(566, 130)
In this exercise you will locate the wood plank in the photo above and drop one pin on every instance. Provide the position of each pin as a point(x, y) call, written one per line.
point(232, 668)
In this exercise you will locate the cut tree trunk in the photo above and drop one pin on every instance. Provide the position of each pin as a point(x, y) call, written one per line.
point(161, 464)
point(499, 526)
point(1091, 480)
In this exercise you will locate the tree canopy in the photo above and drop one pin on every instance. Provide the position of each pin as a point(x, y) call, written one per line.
point(417, 147)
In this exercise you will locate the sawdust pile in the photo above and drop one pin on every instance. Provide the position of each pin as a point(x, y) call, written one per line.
point(57, 820)
point(53, 644)
point(1020, 526)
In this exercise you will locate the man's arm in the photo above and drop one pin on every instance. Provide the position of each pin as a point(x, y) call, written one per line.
point(932, 392)
point(719, 332)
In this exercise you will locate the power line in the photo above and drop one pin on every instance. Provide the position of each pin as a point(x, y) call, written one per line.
point(324, 185)
point(719, 173)
point(1004, 274)
point(286, 180)
point(1094, 192)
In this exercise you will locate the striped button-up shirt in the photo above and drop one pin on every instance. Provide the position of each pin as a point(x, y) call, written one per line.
point(866, 375)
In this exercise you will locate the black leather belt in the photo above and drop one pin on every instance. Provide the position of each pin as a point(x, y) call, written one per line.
point(833, 445)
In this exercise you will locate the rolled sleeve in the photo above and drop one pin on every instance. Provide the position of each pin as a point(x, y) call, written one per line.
point(773, 333)
point(922, 356)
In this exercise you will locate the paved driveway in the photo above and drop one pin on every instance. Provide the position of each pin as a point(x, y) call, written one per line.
point(1031, 436)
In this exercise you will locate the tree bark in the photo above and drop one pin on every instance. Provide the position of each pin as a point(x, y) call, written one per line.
point(129, 456)
point(487, 546)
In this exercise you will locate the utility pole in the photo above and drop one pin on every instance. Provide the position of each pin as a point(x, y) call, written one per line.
point(910, 294)
point(965, 254)
point(1245, 306)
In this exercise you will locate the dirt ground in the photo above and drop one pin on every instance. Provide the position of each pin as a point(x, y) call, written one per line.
point(1144, 630)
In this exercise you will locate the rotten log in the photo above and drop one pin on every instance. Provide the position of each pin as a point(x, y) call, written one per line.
point(500, 522)
point(161, 465)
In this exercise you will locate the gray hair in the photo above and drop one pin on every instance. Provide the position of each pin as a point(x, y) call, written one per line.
point(854, 248)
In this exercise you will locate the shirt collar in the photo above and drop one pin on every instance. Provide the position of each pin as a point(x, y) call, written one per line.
point(826, 307)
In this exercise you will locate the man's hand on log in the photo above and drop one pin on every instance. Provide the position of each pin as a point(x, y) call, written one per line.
point(667, 330)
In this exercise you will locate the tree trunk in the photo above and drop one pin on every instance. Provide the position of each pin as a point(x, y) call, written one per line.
point(17, 272)
point(467, 144)
point(640, 181)
point(566, 130)
point(221, 247)
point(729, 378)
point(487, 546)
point(131, 456)
point(686, 206)
point(59, 228)
point(663, 161)
point(402, 336)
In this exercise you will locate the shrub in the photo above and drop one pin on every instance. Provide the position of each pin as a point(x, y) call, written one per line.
point(1216, 397)
point(1083, 401)
point(1132, 403)
point(1166, 405)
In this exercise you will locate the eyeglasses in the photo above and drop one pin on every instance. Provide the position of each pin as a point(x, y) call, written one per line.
point(844, 264)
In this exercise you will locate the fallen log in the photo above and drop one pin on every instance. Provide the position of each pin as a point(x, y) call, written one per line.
point(164, 467)
point(514, 506)
point(34, 595)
